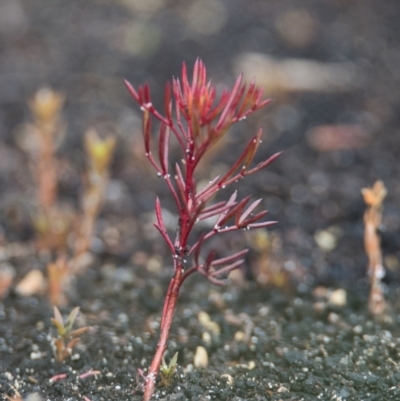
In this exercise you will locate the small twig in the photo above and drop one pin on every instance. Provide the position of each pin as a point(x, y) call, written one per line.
point(373, 197)
point(58, 377)
point(89, 373)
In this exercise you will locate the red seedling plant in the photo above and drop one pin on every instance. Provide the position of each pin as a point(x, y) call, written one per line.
point(197, 121)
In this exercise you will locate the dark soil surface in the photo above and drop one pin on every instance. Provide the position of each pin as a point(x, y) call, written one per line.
point(295, 348)
point(295, 342)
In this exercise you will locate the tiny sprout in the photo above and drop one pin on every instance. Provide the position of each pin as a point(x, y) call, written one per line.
point(62, 349)
point(46, 104)
point(100, 151)
point(167, 371)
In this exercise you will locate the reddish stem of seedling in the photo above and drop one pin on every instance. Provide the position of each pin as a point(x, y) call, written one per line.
point(198, 124)
point(167, 317)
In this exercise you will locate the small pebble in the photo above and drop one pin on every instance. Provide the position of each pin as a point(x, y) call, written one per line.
point(32, 283)
point(338, 297)
point(200, 357)
point(325, 240)
point(240, 336)
point(282, 389)
point(229, 379)
point(207, 323)
point(206, 337)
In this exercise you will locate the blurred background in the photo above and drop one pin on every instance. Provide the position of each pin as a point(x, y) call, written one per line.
point(332, 68)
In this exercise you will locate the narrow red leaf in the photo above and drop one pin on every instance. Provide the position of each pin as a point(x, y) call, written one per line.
point(159, 214)
point(247, 212)
point(179, 178)
point(181, 187)
point(165, 236)
point(185, 82)
point(252, 150)
point(222, 120)
point(206, 188)
point(163, 147)
point(197, 252)
point(228, 269)
point(141, 95)
point(229, 259)
point(215, 212)
point(210, 278)
point(213, 207)
point(209, 260)
point(255, 218)
point(238, 162)
point(261, 225)
point(146, 130)
point(161, 226)
point(230, 204)
point(131, 90)
point(146, 93)
point(203, 72)
point(263, 164)
point(168, 103)
point(196, 74)
point(177, 91)
point(237, 209)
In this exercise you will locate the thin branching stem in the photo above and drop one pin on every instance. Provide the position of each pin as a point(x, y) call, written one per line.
point(200, 122)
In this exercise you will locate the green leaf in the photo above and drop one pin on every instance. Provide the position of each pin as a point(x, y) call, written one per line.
point(60, 328)
point(71, 319)
point(57, 316)
point(173, 361)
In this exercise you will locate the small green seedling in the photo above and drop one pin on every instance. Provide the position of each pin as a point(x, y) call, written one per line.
point(167, 371)
point(62, 348)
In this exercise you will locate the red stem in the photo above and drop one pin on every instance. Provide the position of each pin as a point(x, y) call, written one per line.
point(196, 134)
point(177, 280)
point(168, 315)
